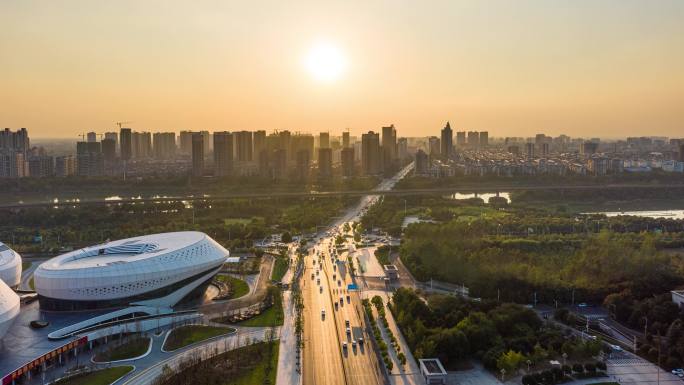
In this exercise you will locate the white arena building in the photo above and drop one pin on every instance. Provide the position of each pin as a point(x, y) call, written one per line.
point(9, 308)
point(10, 266)
point(10, 276)
point(153, 270)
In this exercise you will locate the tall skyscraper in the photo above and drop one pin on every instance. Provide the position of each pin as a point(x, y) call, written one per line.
point(164, 145)
point(92, 137)
point(13, 164)
point(259, 143)
point(446, 141)
point(371, 156)
point(484, 139)
point(243, 146)
point(15, 141)
point(324, 140)
point(529, 150)
point(325, 162)
point(141, 145)
point(125, 136)
point(197, 154)
point(389, 148)
point(347, 161)
point(681, 152)
point(345, 139)
point(422, 163)
point(223, 153)
point(434, 147)
point(109, 150)
point(89, 159)
point(303, 163)
point(208, 144)
point(402, 148)
point(473, 140)
point(185, 142)
point(461, 139)
point(41, 166)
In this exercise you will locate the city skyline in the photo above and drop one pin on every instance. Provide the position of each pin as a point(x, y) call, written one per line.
point(608, 69)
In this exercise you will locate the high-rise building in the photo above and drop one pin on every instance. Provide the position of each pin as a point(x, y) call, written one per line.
point(113, 136)
point(89, 159)
point(197, 154)
point(402, 148)
point(529, 150)
point(185, 142)
point(65, 166)
point(109, 149)
point(243, 146)
point(18, 141)
point(484, 139)
point(164, 145)
point(434, 146)
point(13, 164)
point(588, 148)
point(681, 152)
point(141, 145)
point(473, 139)
point(324, 140)
point(259, 139)
point(461, 139)
point(545, 149)
point(446, 141)
point(223, 153)
point(41, 166)
point(371, 156)
point(206, 138)
point(347, 161)
point(422, 163)
point(126, 138)
point(389, 146)
point(325, 162)
point(345, 139)
point(303, 164)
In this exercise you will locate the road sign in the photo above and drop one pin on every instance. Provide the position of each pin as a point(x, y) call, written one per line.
point(352, 286)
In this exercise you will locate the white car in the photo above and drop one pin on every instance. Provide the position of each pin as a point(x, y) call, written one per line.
point(617, 348)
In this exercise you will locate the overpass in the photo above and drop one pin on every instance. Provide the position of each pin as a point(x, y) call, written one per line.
point(466, 188)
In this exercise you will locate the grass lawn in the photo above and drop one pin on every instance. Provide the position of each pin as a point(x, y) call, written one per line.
point(279, 269)
point(186, 335)
point(273, 316)
point(32, 284)
point(98, 377)
point(131, 348)
point(238, 286)
point(26, 265)
point(257, 375)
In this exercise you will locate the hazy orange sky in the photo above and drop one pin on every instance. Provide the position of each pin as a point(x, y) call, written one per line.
point(513, 67)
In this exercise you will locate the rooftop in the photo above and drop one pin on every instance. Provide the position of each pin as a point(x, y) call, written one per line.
point(124, 250)
point(432, 366)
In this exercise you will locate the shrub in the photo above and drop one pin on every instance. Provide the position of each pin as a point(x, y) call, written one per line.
point(547, 376)
point(557, 373)
point(578, 368)
point(601, 365)
point(567, 369)
point(589, 367)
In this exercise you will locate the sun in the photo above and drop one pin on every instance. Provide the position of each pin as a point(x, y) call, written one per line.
point(325, 62)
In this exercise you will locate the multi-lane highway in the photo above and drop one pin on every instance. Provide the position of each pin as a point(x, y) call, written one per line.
point(333, 354)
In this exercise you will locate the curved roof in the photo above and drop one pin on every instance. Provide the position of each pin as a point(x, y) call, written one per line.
point(124, 250)
point(9, 307)
point(10, 266)
point(7, 255)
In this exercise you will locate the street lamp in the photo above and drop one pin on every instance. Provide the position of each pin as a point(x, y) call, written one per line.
point(503, 373)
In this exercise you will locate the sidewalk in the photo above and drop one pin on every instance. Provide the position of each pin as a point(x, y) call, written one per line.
point(288, 371)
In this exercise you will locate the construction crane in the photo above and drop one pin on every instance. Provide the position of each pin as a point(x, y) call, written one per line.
point(121, 123)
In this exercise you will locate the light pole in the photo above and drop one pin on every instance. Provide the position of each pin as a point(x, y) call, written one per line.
point(503, 373)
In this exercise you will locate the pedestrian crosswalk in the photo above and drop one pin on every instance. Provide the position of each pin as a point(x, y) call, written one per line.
point(627, 361)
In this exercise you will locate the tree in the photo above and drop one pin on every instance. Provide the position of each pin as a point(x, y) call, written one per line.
point(286, 237)
point(509, 361)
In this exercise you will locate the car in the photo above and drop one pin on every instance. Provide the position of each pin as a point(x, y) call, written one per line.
point(360, 340)
point(334, 277)
point(344, 345)
point(320, 289)
point(583, 304)
point(348, 299)
point(318, 281)
point(318, 272)
point(346, 323)
point(322, 313)
point(341, 301)
point(617, 348)
point(353, 343)
point(312, 275)
point(678, 372)
point(348, 330)
point(339, 283)
point(336, 306)
point(593, 337)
